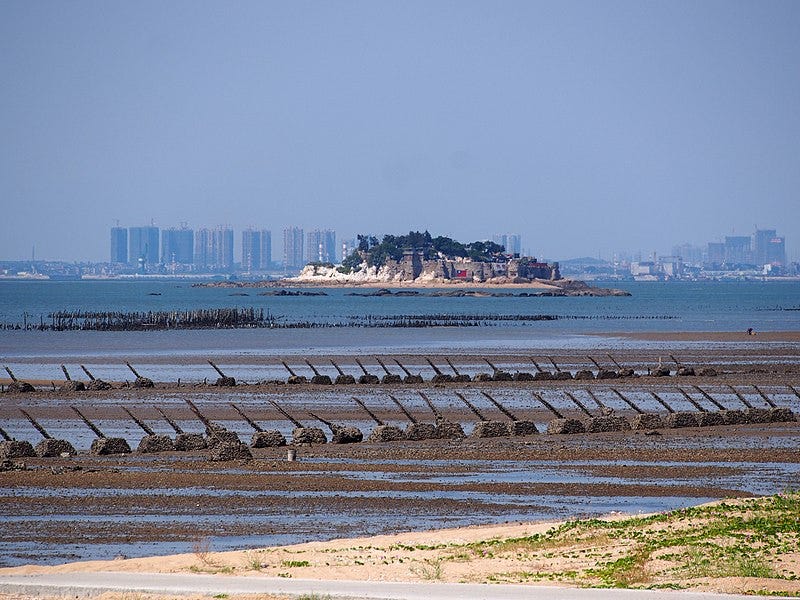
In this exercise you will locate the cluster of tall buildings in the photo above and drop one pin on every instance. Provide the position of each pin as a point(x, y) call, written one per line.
point(765, 249)
point(300, 249)
point(150, 249)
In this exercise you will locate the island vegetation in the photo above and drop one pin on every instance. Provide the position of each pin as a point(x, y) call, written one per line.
point(374, 253)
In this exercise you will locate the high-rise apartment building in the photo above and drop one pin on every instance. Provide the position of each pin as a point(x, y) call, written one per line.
point(762, 240)
point(770, 249)
point(512, 242)
point(256, 249)
point(119, 245)
point(143, 246)
point(321, 246)
point(716, 254)
point(737, 250)
point(689, 254)
point(348, 247)
point(177, 246)
point(213, 249)
point(293, 248)
point(776, 252)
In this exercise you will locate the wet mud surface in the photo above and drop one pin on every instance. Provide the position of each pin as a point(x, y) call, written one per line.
point(85, 507)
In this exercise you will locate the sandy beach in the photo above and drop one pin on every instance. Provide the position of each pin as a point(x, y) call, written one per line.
point(583, 553)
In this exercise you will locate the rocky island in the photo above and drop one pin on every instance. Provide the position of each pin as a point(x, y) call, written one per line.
point(418, 260)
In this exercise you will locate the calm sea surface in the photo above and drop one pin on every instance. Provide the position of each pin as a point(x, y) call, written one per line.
point(651, 307)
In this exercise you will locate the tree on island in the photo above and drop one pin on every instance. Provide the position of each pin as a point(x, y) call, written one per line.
point(392, 247)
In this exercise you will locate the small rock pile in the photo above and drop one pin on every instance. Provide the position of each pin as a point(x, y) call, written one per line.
point(271, 438)
point(489, 429)
point(155, 443)
point(308, 435)
point(105, 446)
point(561, 426)
point(386, 433)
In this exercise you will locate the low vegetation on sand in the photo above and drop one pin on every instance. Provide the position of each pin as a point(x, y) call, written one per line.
point(750, 546)
point(744, 546)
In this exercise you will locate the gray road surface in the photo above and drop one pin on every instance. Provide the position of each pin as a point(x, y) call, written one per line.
point(87, 584)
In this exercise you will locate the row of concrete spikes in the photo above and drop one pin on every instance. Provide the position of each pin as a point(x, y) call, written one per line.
point(228, 442)
point(439, 376)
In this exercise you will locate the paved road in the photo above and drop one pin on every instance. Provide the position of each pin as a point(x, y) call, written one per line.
point(79, 584)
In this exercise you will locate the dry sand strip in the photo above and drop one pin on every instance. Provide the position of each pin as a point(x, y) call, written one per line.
point(77, 585)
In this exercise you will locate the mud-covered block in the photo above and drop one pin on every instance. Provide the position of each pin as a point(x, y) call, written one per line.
point(386, 433)
point(98, 385)
point(230, 451)
point(584, 374)
point(449, 430)
point(733, 417)
point(16, 449)
point(490, 429)
point(661, 372)
point(321, 380)
point(369, 379)
point(647, 421)
point(72, 386)
point(757, 415)
point(502, 376)
point(461, 378)
point(542, 376)
point(483, 377)
point(156, 443)
point(559, 426)
point(562, 375)
point(520, 428)
point(143, 382)
point(187, 442)
point(272, 438)
point(708, 372)
point(391, 378)
point(606, 424)
point(345, 380)
point(626, 372)
point(680, 419)
point(413, 379)
point(781, 415)
point(226, 382)
point(105, 446)
point(710, 419)
point(606, 374)
point(346, 434)
point(524, 376)
point(685, 372)
point(309, 435)
point(49, 448)
point(19, 387)
point(297, 379)
point(442, 378)
point(421, 431)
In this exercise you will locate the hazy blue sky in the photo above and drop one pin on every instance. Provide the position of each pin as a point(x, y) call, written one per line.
point(584, 126)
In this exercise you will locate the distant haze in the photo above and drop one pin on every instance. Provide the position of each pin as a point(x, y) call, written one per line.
point(587, 127)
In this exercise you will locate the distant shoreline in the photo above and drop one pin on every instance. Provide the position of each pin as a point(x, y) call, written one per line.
point(562, 287)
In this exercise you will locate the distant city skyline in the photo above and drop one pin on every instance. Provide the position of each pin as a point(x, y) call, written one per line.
point(587, 128)
point(130, 244)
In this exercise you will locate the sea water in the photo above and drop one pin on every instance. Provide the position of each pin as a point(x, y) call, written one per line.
point(651, 307)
